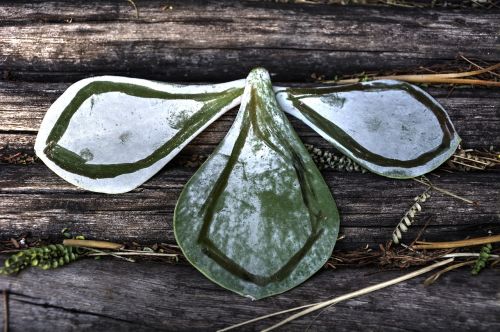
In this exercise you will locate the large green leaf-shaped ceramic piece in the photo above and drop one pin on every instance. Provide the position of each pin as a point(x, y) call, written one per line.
point(392, 128)
point(257, 217)
point(110, 134)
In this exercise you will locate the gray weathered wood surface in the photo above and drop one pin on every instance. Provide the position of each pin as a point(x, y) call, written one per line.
point(113, 295)
point(222, 40)
point(47, 45)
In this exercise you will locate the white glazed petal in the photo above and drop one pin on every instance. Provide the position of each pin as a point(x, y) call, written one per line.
point(116, 127)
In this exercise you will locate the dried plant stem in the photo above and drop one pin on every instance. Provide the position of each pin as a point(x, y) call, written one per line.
point(135, 8)
point(491, 159)
point(316, 306)
point(451, 78)
point(478, 66)
point(422, 79)
point(467, 165)
point(5, 311)
point(436, 275)
point(10, 251)
point(446, 192)
point(133, 253)
point(470, 159)
point(438, 80)
point(465, 160)
point(92, 244)
point(97, 252)
point(456, 244)
point(360, 292)
point(449, 75)
point(232, 327)
point(466, 254)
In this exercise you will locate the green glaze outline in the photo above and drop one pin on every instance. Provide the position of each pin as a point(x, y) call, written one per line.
point(340, 136)
point(74, 163)
point(250, 120)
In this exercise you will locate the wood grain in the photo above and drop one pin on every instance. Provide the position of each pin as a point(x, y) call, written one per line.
point(34, 199)
point(47, 45)
point(220, 41)
point(474, 112)
point(120, 296)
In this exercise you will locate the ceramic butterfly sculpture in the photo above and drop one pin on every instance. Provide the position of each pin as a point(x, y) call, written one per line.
point(257, 217)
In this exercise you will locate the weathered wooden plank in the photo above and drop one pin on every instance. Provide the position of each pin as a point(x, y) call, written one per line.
point(27, 313)
point(475, 113)
point(113, 295)
point(33, 199)
point(217, 40)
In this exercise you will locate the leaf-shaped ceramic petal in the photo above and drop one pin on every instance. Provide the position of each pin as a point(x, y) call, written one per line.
point(110, 134)
point(257, 217)
point(392, 128)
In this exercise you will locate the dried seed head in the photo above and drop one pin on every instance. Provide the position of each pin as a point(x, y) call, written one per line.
point(407, 220)
point(328, 160)
point(47, 257)
point(409, 217)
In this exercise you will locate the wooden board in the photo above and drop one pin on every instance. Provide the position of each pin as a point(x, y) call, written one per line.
point(46, 45)
point(217, 40)
point(34, 199)
point(119, 296)
point(474, 112)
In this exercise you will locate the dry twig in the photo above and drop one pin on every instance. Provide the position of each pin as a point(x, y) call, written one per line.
point(456, 244)
point(428, 183)
point(447, 78)
point(466, 160)
point(430, 280)
point(135, 8)
point(92, 244)
point(316, 306)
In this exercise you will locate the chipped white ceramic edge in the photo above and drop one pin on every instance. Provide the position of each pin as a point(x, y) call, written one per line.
point(128, 181)
point(287, 106)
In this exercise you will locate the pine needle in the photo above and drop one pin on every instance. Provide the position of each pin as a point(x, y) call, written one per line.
point(232, 327)
point(444, 191)
point(436, 276)
point(99, 253)
point(478, 66)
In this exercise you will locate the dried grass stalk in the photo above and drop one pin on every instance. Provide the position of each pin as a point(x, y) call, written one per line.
point(316, 306)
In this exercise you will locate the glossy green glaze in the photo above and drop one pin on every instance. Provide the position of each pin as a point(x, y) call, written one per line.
point(257, 217)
